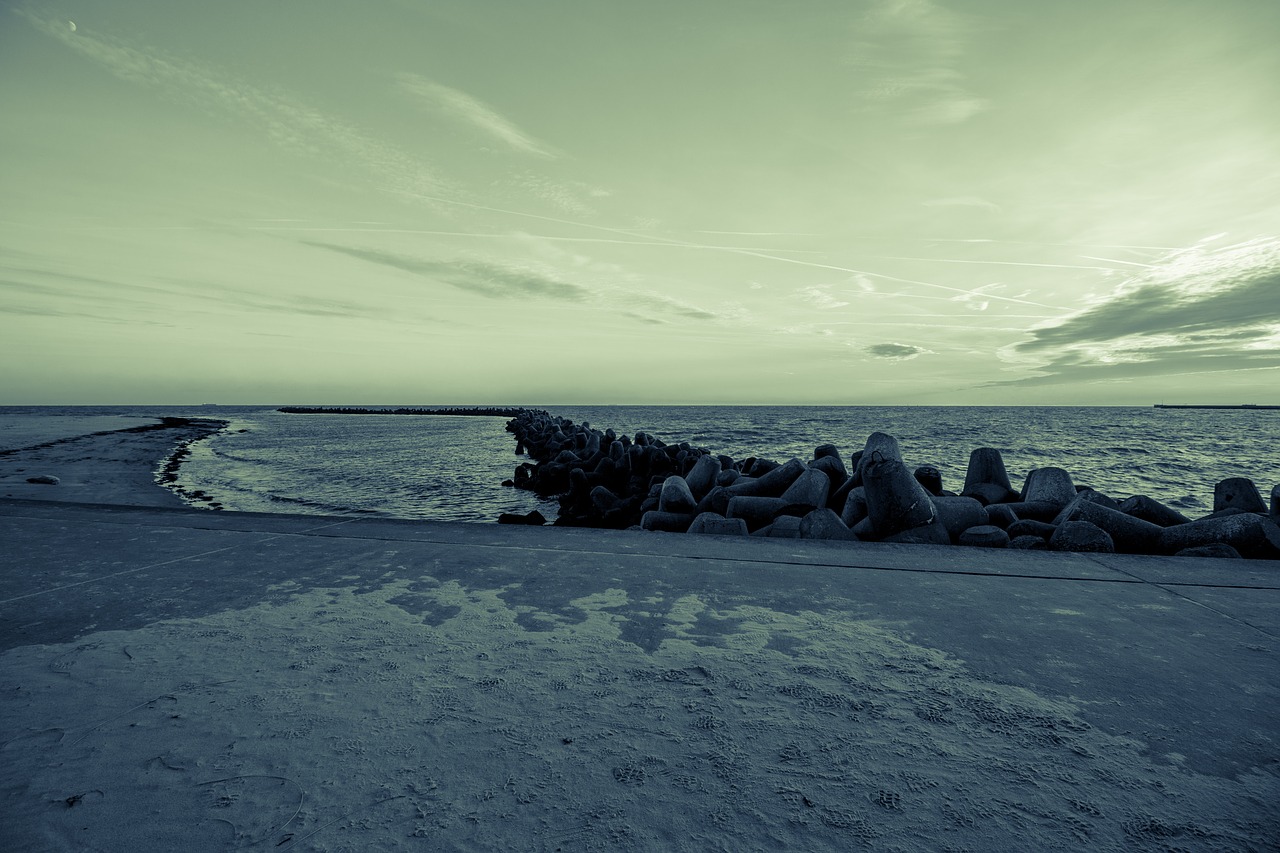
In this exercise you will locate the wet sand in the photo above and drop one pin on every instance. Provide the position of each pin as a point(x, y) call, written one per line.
point(103, 460)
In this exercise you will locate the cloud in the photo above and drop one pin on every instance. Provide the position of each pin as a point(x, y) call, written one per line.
point(667, 305)
point(1196, 310)
point(460, 106)
point(896, 352)
point(566, 196)
point(652, 321)
point(287, 123)
point(495, 281)
point(978, 298)
point(907, 53)
point(48, 292)
point(614, 285)
point(820, 296)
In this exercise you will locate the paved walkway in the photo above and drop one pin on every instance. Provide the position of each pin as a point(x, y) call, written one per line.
point(806, 694)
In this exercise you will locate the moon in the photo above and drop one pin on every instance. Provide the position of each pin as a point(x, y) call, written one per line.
point(72, 25)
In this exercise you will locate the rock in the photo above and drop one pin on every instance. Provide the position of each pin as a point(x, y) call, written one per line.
point(1275, 504)
point(989, 493)
point(895, 501)
point(771, 484)
point(712, 523)
point(1081, 536)
point(1031, 527)
point(603, 500)
point(759, 467)
point(879, 444)
point(1220, 550)
point(810, 488)
point(1256, 537)
point(728, 477)
point(1049, 485)
point(824, 524)
point(855, 469)
point(827, 450)
point(1129, 535)
point(531, 518)
point(756, 510)
point(840, 496)
point(676, 496)
point(44, 480)
point(1039, 510)
point(783, 527)
point(929, 477)
point(1238, 493)
point(1096, 497)
point(717, 501)
point(958, 514)
point(836, 473)
point(702, 477)
point(1001, 515)
point(1028, 543)
point(668, 522)
point(984, 536)
point(986, 465)
point(932, 533)
point(855, 507)
point(744, 485)
point(551, 478)
point(777, 481)
point(1147, 509)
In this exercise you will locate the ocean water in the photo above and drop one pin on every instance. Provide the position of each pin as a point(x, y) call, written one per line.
point(452, 467)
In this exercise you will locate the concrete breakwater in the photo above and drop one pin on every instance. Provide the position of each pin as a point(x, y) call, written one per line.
point(603, 479)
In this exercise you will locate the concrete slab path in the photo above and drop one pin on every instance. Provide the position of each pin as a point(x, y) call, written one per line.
point(227, 680)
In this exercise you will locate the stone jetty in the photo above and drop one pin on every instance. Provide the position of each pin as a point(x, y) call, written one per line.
point(606, 480)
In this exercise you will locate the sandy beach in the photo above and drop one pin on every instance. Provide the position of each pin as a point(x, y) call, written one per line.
point(96, 459)
point(222, 681)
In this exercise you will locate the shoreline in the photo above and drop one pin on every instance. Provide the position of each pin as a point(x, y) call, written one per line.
point(132, 466)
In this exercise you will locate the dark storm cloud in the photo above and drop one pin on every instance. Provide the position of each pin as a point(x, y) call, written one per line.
point(1199, 311)
point(1234, 312)
point(484, 279)
point(894, 351)
point(1073, 369)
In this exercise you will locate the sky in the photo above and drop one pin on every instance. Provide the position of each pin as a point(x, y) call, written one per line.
point(881, 202)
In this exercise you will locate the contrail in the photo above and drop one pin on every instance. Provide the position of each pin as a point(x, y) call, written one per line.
point(996, 263)
point(1118, 261)
point(749, 252)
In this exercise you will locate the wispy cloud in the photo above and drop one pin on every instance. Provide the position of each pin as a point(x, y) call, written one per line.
point(286, 122)
point(1197, 309)
point(462, 107)
point(492, 280)
point(907, 54)
point(49, 291)
point(820, 296)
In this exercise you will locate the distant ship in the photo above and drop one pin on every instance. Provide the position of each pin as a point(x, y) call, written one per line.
point(1241, 406)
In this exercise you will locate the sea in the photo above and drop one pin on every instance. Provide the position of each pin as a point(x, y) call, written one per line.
point(451, 467)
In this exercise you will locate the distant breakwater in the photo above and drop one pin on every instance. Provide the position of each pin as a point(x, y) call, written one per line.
point(477, 411)
point(603, 479)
